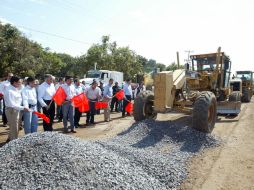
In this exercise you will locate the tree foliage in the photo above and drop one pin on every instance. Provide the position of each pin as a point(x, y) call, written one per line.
point(24, 57)
point(173, 66)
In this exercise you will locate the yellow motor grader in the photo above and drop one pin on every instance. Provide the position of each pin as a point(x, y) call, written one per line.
point(247, 84)
point(202, 89)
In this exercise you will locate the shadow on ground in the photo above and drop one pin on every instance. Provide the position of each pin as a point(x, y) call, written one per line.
point(177, 131)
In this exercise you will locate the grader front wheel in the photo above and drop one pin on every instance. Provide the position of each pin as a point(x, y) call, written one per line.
point(205, 112)
point(143, 106)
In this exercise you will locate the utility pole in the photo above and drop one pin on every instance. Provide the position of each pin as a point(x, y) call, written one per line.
point(188, 58)
point(178, 62)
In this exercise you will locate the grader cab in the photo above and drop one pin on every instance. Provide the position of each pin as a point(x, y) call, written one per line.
point(201, 90)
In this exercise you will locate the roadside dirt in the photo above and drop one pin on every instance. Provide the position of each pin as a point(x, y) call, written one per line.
point(102, 130)
point(230, 166)
point(227, 167)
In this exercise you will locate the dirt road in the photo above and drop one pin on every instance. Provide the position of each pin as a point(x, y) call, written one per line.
point(227, 167)
point(230, 166)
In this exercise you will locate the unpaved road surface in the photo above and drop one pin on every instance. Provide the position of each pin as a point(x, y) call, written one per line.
point(230, 166)
point(227, 167)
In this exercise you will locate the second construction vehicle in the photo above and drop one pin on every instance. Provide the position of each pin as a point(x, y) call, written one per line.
point(201, 90)
point(247, 84)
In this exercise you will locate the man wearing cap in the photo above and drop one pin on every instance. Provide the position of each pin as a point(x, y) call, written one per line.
point(93, 94)
point(29, 97)
point(107, 97)
point(13, 103)
point(114, 102)
point(45, 93)
point(68, 109)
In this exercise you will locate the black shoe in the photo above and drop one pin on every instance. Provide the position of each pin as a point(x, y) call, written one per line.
point(73, 131)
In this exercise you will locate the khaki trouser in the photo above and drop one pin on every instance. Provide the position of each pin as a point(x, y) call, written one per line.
point(13, 122)
point(107, 112)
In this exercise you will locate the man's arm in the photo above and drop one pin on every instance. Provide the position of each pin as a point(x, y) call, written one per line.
point(11, 100)
point(41, 92)
point(25, 98)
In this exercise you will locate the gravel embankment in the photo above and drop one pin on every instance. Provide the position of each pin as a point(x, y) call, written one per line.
point(149, 155)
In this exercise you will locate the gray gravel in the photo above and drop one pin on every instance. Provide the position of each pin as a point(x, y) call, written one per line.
point(149, 155)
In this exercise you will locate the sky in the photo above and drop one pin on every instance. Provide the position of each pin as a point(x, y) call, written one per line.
point(155, 29)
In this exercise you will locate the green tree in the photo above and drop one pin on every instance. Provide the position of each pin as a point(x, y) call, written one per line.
point(173, 66)
point(161, 66)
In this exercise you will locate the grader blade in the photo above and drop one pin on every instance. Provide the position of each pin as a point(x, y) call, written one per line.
point(226, 107)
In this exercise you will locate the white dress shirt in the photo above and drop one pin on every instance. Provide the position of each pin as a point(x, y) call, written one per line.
point(4, 85)
point(45, 92)
point(93, 94)
point(127, 89)
point(108, 91)
point(13, 98)
point(79, 89)
point(69, 90)
point(29, 96)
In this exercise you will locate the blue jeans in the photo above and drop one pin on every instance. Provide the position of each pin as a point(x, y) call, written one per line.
point(68, 113)
point(30, 121)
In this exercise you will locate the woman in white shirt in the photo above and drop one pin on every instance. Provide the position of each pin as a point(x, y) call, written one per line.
point(29, 97)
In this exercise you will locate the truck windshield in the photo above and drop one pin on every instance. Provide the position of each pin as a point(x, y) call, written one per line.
point(93, 74)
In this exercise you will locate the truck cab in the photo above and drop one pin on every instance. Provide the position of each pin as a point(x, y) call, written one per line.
point(102, 76)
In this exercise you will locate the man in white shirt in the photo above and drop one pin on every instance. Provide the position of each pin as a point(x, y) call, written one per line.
point(3, 87)
point(29, 97)
point(45, 93)
point(79, 89)
point(107, 97)
point(13, 102)
point(93, 94)
point(141, 87)
point(128, 95)
point(68, 109)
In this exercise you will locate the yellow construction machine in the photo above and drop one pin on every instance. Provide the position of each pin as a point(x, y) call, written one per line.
point(247, 84)
point(202, 89)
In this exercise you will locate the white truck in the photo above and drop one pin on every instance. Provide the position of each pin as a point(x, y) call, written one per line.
point(103, 76)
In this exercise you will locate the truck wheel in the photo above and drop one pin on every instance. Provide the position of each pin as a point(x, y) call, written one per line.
point(143, 106)
point(205, 112)
point(246, 95)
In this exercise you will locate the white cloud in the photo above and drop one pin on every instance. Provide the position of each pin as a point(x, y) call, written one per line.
point(5, 21)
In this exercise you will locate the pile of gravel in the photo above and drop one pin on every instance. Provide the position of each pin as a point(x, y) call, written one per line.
point(149, 155)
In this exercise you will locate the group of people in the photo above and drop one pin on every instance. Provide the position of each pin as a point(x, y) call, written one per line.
point(22, 98)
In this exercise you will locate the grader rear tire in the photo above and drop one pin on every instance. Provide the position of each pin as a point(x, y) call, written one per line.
point(205, 112)
point(143, 106)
